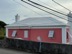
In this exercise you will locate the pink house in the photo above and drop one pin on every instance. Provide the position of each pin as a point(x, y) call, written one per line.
point(47, 29)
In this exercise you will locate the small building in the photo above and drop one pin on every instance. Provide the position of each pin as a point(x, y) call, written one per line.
point(44, 29)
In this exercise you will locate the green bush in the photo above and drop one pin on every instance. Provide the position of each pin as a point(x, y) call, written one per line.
point(2, 33)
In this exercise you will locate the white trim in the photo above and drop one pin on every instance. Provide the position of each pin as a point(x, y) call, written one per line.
point(6, 32)
point(25, 33)
point(64, 35)
point(14, 33)
point(18, 27)
point(31, 27)
point(46, 27)
point(51, 34)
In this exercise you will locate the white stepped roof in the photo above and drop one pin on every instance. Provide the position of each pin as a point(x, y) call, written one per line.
point(39, 21)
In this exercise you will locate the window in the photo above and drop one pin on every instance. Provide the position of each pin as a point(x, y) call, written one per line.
point(51, 33)
point(14, 33)
point(26, 34)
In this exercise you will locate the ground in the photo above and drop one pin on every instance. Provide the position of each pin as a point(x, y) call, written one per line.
point(10, 51)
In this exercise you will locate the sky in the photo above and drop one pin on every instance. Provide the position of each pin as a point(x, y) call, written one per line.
point(9, 8)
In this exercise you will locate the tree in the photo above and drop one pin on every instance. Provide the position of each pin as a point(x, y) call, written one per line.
point(2, 29)
point(2, 24)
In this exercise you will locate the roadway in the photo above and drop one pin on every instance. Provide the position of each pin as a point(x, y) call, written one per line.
point(10, 51)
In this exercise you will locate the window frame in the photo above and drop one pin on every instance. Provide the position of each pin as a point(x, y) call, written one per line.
point(26, 33)
point(51, 33)
point(14, 33)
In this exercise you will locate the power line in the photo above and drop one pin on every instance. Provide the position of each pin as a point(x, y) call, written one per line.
point(62, 6)
point(27, 7)
point(48, 8)
point(44, 10)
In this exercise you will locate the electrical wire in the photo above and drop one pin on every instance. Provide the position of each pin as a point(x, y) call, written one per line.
point(45, 10)
point(62, 6)
point(48, 8)
point(27, 7)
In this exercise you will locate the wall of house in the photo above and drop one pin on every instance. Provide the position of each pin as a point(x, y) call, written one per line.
point(44, 35)
point(35, 33)
point(19, 34)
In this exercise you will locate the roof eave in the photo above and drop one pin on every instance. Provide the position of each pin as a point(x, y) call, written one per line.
point(41, 26)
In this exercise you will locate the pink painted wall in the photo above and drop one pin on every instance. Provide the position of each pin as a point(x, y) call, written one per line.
point(44, 34)
point(34, 33)
point(20, 33)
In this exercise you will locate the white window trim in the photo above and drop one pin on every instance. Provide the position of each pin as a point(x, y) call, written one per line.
point(25, 33)
point(14, 33)
point(51, 34)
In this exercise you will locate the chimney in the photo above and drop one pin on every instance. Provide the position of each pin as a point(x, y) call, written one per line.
point(17, 18)
point(70, 23)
